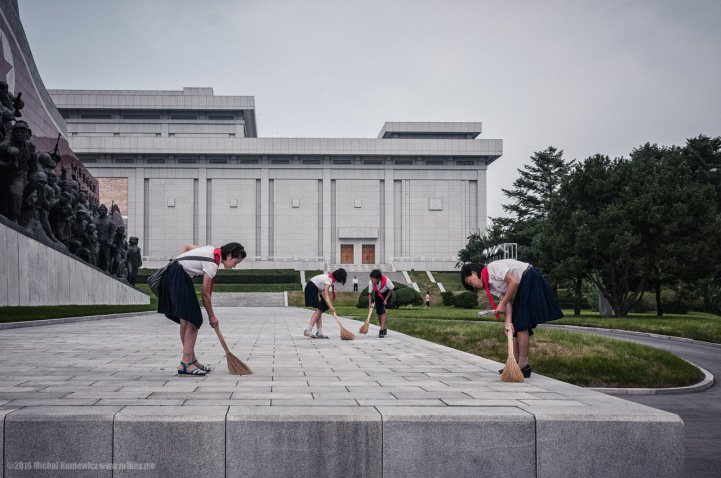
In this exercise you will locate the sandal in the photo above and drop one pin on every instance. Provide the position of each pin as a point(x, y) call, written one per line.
point(197, 372)
point(204, 368)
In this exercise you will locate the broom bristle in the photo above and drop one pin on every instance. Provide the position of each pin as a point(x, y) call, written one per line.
point(346, 334)
point(512, 372)
point(364, 328)
point(236, 366)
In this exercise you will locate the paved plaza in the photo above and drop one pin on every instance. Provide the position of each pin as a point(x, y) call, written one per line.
point(397, 406)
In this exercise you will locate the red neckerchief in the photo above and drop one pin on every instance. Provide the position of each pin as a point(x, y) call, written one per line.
point(484, 276)
point(216, 258)
point(383, 281)
point(332, 285)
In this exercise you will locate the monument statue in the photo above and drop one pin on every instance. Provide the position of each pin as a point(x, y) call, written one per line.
point(57, 210)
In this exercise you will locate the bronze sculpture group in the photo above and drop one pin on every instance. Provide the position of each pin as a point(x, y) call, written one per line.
point(54, 209)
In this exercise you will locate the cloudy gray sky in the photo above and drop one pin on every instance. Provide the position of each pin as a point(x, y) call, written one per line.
point(586, 77)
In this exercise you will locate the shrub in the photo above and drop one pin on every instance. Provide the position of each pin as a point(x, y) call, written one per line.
point(447, 297)
point(466, 300)
point(401, 295)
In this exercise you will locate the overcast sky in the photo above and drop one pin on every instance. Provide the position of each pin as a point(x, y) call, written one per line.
point(585, 77)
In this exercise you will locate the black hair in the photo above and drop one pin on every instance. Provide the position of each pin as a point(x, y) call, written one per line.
point(233, 249)
point(376, 274)
point(340, 275)
point(466, 271)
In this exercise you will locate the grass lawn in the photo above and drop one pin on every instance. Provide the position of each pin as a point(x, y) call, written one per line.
point(694, 325)
point(425, 284)
point(576, 358)
point(572, 357)
point(450, 280)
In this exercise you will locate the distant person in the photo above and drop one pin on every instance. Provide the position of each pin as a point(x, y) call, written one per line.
point(321, 284)
point(355, 284)
point(428, 300)
point(380, 288)
point(178, 301)
point(533, 300)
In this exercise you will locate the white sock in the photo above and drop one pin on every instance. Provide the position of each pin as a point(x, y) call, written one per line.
point(522, 361)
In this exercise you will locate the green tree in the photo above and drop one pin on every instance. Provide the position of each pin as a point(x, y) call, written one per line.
point(622, 223)
point(530, 201)
point(478, 244)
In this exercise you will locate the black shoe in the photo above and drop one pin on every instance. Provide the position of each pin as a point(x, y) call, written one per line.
point(382, 333)
point(526, 371)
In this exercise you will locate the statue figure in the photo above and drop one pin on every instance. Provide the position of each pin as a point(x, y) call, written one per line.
point(10, 107)
point(117, 249)
point(39, 184)
point(106, 234)
point(90, 243)
point(16, 160)
point(78, 227)
point(61, 215)
point(134, 260)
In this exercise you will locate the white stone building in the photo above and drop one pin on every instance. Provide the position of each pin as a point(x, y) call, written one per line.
point(195, 170)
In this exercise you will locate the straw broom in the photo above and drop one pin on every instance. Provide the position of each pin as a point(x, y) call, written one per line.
point(345, 334)
point(511, 372)
point(364, 328)
point(235, 365)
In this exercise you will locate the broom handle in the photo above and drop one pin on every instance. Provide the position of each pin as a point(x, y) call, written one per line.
point(510, 342)
point(370, 311)
point(337, 320)
point(222, 340)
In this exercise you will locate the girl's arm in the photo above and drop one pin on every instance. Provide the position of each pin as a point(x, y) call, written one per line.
point(510, 292)
point(327, 298)
point(189, 247)
point(207, 291)
point(509, 317)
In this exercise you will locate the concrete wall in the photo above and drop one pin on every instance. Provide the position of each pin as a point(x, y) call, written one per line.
point(34, 274)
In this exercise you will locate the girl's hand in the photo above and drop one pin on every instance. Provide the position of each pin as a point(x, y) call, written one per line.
point(501, 308)
point(332, 309)
point(213, 321)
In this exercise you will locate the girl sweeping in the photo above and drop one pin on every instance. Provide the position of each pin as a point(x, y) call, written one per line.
point(322, 283)
point(177, 299)
point(380, 289)
point(533, 300)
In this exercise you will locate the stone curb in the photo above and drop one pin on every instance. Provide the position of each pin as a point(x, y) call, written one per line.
point(70, 320)
point(704, 384)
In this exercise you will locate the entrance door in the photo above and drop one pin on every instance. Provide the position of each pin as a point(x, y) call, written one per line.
point(369, 254)
point(346, 253)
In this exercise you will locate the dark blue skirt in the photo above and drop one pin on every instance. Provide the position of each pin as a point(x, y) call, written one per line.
point(535, 302)
point(313, 297)
point(177, 298)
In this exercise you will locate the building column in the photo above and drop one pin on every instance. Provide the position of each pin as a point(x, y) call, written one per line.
point(136, 207)
point(328, 253)
point(202, 207)
point(389, 229)
point(264, 213)
point(482, 198)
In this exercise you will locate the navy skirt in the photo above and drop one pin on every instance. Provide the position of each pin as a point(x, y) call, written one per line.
point(177, 298)
point(313, 297)
point(535, 302)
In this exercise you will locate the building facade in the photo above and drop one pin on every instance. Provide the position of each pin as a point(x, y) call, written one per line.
point(190, 167)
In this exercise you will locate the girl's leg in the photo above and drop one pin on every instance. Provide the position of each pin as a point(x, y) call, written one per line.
point(524, 342)
point(191, 335)
point(319, 323)
point(314, 318)
point(382, 320)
